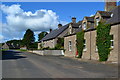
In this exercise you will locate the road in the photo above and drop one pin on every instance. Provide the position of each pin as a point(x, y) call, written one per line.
point(17, 64)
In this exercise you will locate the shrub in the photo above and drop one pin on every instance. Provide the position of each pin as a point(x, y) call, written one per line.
point(103, 41)
point(80, 43)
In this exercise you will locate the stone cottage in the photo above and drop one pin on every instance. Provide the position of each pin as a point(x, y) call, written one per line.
point(115, 32)
point(70, 39)
point(50, 40)
point(90, 51)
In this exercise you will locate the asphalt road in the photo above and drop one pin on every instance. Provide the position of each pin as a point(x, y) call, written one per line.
point(27, 65)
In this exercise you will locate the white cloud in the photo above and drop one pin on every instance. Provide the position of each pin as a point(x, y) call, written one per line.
point(18, 21)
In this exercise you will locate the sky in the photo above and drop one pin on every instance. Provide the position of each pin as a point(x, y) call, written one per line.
point(17, 17)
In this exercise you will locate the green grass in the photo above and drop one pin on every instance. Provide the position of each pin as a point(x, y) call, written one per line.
point(4, 49)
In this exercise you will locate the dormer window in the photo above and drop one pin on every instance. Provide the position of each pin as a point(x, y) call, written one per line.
point(97, 21)
point(112, 15)
point(80, 26)
point(70, 29)
point(84, 25)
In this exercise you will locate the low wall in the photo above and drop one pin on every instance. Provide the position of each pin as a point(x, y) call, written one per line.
point(48, 52)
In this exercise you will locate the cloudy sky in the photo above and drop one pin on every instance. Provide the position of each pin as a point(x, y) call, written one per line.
point(17, 17)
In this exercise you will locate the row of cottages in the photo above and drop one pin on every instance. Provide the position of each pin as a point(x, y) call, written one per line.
point(50, 40)
point(88, 24)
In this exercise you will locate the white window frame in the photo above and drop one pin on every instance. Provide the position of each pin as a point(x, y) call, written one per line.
point(96, 49)
point(70, 46)
point(84, 26)
point(97, 21)
point(85, 48)
point(70, 30)
point(112, 43)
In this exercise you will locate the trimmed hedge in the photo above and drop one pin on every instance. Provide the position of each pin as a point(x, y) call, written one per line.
point(80, 43)
point(103, 41)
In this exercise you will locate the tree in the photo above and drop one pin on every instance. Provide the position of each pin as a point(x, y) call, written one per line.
point(28, 38)
point(41, 35)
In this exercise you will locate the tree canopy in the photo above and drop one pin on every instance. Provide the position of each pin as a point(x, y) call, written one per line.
point(41, 35)
point(28, 38)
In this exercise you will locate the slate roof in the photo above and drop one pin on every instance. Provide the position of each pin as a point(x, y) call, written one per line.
point(77, 30)
point(55, 33)
point(75, 25)
point(90, 19)
point(105, 14)
point(90, 29)
point(116, 16)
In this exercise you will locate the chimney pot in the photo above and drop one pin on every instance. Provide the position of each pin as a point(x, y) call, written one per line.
point(59, 25)
point(73, 20)
point(50, 30)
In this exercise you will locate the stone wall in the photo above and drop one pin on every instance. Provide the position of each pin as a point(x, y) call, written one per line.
point(71, 53)
point(90, 52)
point(48, 52)
point(115, 51)
point(49, 43)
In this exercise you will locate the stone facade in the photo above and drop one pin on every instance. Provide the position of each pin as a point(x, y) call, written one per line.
point(90, 52)
point(49, 43)
point(72, 52)
point(115, 51)
point(52, 43)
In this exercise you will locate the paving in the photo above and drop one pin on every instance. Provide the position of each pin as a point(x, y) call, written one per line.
point(17, 64)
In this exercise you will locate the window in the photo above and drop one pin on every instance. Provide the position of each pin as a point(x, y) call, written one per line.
point(97, 21)
point(84, 25)
point(96, 49)
point(84, 49)
point(112, 15)
point(80, 26)
point(112, 42)
point(70, 46)
point(70, 30)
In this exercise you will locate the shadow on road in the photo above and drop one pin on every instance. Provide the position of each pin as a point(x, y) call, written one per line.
point(11, 55)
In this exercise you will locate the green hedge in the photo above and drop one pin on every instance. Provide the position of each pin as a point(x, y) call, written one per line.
point(103, 41)
point(80, 43)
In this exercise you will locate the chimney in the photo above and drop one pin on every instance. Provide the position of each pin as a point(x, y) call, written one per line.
point(110, 4)
point(50, 30)
point(59, 25)
point(73, 20)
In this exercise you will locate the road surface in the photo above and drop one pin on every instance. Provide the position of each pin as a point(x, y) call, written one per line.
point(27, 65)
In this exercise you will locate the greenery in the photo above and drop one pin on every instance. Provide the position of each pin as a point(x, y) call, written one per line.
point(60, 43)
point(103, 41)
point(80, 43)
point(41, 35)
point(58, 46)
point(28, 38)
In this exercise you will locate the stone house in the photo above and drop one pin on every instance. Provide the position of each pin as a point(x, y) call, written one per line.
point(50, 40)
point(89, 51)
point(115, 32)
point(5, 46)
point(70, 39)
point(112, 17)
point(10, 46)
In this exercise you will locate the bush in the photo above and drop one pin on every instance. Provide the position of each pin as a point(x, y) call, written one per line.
point(103, 41)
point(80, 43)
